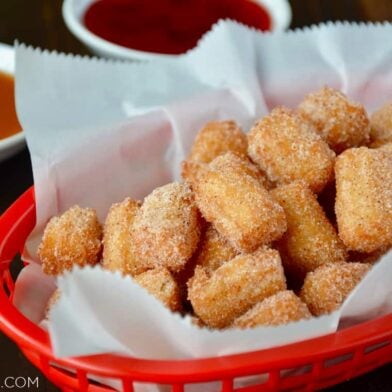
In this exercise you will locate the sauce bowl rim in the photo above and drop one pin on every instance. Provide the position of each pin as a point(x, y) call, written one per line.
point(8, 67)
point(278, 10)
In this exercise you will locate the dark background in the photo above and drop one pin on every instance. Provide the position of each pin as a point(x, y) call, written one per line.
point(39, 23)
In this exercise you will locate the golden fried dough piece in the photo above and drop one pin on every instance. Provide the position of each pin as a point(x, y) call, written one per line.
point(310, 239)
point(54, 298)
point(160, 283)
point(381, 126)
point(166, 228)
point(326, 288)
point(287, 148)
point(281, 308)
point(214, 250)
point(221, 296)
point(232, 161)
point(386, 148)
point(364, 198)
point(118, 254)
point(217, 138)
point(237, 204)
point(340, 122)
point(238, 162)
point(74, 238)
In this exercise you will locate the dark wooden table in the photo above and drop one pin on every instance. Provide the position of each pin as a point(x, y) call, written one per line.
point(39, 23)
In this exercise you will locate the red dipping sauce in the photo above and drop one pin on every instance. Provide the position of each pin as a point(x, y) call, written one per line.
point(167, 26)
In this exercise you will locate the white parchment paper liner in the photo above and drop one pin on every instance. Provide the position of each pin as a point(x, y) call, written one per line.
point(99, 131)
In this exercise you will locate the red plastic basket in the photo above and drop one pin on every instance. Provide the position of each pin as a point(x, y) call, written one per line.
point(312, 364)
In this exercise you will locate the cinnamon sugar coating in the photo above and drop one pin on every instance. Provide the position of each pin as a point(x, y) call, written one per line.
point(214, 250)
point(386, 148)
point(287, 148)
point(118, 248)
point(219, 297)
point(217, 138)
point(310, 239)
point(239, 162)
point(381, 126)
point(281, 308)
point(326, 288)
point(73, 238)
point(160, 283)
point(364, 198)
point(166, 228)
point(237, 204)
point(340, 122)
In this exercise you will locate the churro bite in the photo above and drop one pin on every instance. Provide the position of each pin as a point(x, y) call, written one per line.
point(238, 162)
point(217, 138)
point(160, 283)
point(237, 204)
point(214, 250)
point(381, 126)
point(340, 122)
point(281, 308)
point(364, 199)
point(386, 148)
point(310, 239)
point(73, 238)
point(287, 148)
point(166, 228)
point(235, 162)
point(204, 247)
point(219, 297)
point(118, 252)
point(326, 288)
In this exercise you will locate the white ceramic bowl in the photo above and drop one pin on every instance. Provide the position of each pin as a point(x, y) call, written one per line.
point(13, 144)
point(73, 11)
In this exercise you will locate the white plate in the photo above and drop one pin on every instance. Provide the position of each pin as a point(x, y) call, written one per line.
point(13, 144)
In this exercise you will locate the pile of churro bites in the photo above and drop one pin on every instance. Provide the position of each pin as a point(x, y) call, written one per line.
point(266, 228)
